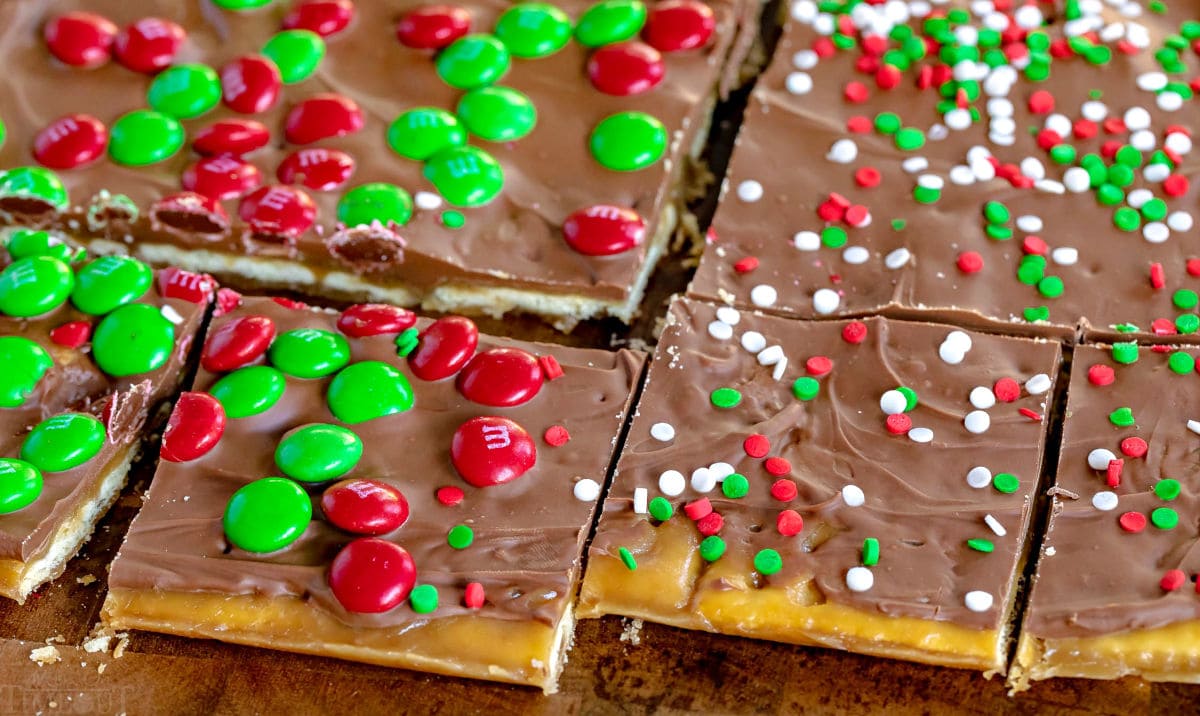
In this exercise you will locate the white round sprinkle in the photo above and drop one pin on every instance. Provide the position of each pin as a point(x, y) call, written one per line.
point(999, 107)
point(843, 151)
point(750, 191)
point(979, 477)
point(427, 200)
point(920, 435)
point(856, 255)
point(994, 525)
point(913, 165)
point(893, 402)
point(1178, 142)
point(853, 496)
point(663, 432)
point(1169, 101)
point(1076, 180)
point(807, 240)
point(1038, 384)
point(641, 500)
point(720, 330)
point(961, 175)
point(1143, 140)
point(1156, 172)
point(1151, 81)
point(1179, 221)
point(1138, 197)
point(950, 354)
point(859, 579)
point(959, 340)
point(770, 355)
point(805, 59)
point(703, 480)
point(804, 11)
point(1065, 256)
point(982, 397)
point(1003, 126)
point(957, 119)
point(931, 181)
point(1033, 169)
point(1029, 223)
point(753, 341)
point(1105, 501)
point(826, 301)
point(1099, 458)
point(728, 314)
point(897, 259)
point(763, 295)
point(1156, 232)
point(1137, 118)
point(587, 490)
point(978, 601)
point(671, 483)
point(720, 470)
point(798, 83)
point(977, 422)
point(1094, 111)
point(1060, 124)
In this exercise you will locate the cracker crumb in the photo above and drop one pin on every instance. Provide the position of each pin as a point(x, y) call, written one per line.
point(57, 639)
point(45, 655)
point(100, 669)
point(97, 643)
point(122, 643)
point(632, 633)
point(86, 579)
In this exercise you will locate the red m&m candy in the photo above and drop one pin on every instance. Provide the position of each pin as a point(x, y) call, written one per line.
point(222, 177)
point(373, 319)
point(676, 25)
point(324, 17)
point(321, 117)
point(604, 230)
point(432, 27)
point(72, 334)
point(189, 211)
point(149, 44)
point(231, 136)
point(318, 169)
point(196, 288)
point(237, 343)
point(490, 450)
point(371, 575)
point(80, 39)
point(501, 377)
point(366, 507)
point(195, 427)
point(250, 84)
point(70, 141)
point(444, 348)
point(626, 68)
point(278, 211)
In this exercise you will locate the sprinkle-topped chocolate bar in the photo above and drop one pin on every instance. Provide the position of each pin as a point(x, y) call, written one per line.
point(1022, 166)
point(479, 156)
point(865, 485)
point(373, 487)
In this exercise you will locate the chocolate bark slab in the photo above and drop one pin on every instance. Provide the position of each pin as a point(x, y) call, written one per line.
point(81, 377)
point(832, 206)
point(1115, 591)
point(833, 530)
point(495, 564)
point(508, 253)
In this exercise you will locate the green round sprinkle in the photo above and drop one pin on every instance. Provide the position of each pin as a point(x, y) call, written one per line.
point(407, 342)
point(725, 397)
point(1182, 363)
point(1110, 194)
point(1031, 270)
point(1155, 209)
point(998, 233)
point(1050, 287)
point(473, 61)
point(318, 452)
point(1187, 323)
point(423, 598)
point(241, 4)
point(833, 237)
point(23, 243)
point(249, 391)
point(1037, 313)
point(1121, 417)
point(422, 132)
point(712, 548)
point(1006, 482)
point(768, 562)
point(1129, 156)
point(185, 91)
point(735, 486)
point(870, 552)
point(610, 21)
point(20, 484)
point(135, 338)
point(1126, 219)
point(926, 195)
point(628, 141)
point(144, 137)
point(1185, 298)
point(910, 397)
point(3, 132)
point(533, 29)
point(34, 183)
point(309, 352)
point(996, 213)
point(367, 390)
point(497, 114)
point(62, 442)
point(460, 537)
point(660, 509)
point(379, 201)
point(1125, 353)
point(887, 123)
point(806, 388)
point(909, 139)
point(110, 282)
point(297, 53)
point(465, 176)
point(981, 545)
point(35, 285)
point(627, 557)
point(25, 362)
point(1063, 153)
point(1164, 518)
point(453, 219)
point(267, 515)
point(1167, 489)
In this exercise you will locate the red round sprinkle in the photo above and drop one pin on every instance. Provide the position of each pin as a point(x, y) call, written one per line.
point(888, 77)
point(278, 211)
point(490, 450)
point(318, 169)
point(1134, 447)
point(856, 92)
point(1048, 138)
point(72, 334)
point(1132, 522)
point(898, 424)
point(231, 136)
point(675, 25)
point(1114, 125)
point(784, 490)
point(818, 365)
point(473, 596)
point(1041, 102)
point(375, 319)
point(777, 466)
point(550, 367)
point(80, 39)
point(867, 177)
point(196, 425)
point(367, 507)
point(195, 288)
point(371, 575)
point(854, 332)
point(322, 116)
point(970, 262)
point(221, 177)
point(626, 68)
point(449, 495)
point(1034, 245)
point(604, 230)
point(1007, 390)
point(859, 124)
point(1158, 277)
point(857, 215)
point(789, 523)
point(1101, 374)
point(236, 343)
point(1084, 129)
point(250, 84)
point(698, 509)
point(1162, 327)
point(444, 347)
point(501, 377)
point(431, 27)
point(746, 264)
point(1193, 267)
point(324, 17)
point(70, 141)
point(556, 436)
point(1172, 579)
point(824, 47)
point(711, 524)
point(1175, 185)
point(756, 445)
point(149, 44)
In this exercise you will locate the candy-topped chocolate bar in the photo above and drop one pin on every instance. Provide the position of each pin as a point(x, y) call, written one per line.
point(368, 486)
point(1026, 168)
point(864, 485)
point(88, 350)
point(1116, 588)
point(478, 156)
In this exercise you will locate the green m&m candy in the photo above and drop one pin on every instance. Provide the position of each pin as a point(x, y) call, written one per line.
point(628, 141)
point(610, 21)
point(309, 352)
point(267, 515)
point(20, 484)
point(367, 390)
point(296, 53)
point(35, 285)
point(497, 114)
point(473, 61)
point(144, 137)
point(135, 338)
point(34, 183)
point(465, 176)
point(26, 242)
point(378, 201)
point(249, 391)
point(110, 282)
point(63, 442)
point(421, 132)
point(185, 91)
point(533, 29)
point(24, 363)
point(318, 452)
